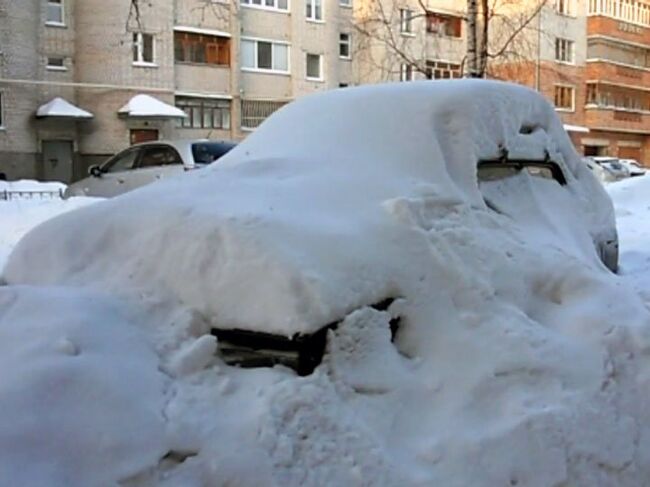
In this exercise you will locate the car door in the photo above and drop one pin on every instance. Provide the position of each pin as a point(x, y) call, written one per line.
point(113, 176)
point(157, 162)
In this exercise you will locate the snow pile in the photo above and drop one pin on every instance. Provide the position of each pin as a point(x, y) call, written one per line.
point(21, 213)
point(520, 359)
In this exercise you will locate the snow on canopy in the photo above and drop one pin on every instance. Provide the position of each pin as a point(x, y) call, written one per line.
point(148, 106)
point(58, 107)
point(520, 359)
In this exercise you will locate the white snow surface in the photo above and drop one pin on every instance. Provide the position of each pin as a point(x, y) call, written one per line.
point(58, 107)
point(520, 359)
point(148, 106)
point(21, 213)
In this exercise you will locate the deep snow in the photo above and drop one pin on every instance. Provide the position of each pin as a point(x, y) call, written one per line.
point(521, 360)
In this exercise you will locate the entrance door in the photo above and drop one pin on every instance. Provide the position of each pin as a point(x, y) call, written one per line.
point(57, 160)
point(143, 135)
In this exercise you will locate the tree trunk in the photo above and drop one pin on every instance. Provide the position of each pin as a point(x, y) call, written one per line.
point(483, 57)
point(472, 47)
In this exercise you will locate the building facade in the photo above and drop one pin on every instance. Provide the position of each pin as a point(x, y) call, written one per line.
point(229, 64)
point(591, 58)
point(226, 65)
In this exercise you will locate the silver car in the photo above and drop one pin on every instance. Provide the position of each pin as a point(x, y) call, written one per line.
point(146, 163)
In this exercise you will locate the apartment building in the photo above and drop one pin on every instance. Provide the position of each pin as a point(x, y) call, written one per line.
point(83, 79)
point(591, 58)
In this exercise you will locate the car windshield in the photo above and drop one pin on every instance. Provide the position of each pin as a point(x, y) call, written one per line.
point(207, 152)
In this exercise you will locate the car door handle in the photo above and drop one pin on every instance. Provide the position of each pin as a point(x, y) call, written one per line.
point(120, 180)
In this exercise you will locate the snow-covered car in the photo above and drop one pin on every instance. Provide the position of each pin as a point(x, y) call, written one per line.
point(633, 167)
point(146, 163)
point(303, 223)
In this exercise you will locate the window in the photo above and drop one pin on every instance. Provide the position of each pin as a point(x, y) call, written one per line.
point(56, 64)
point(488, 171)
point(565, 97)
point(345, 3)
point(406, 72)
point(314, 9)
point(204, 113)
point(254, 112)
point(267, 4)
point(55, 12)
point(565, 7)
point(160, 155)
point(121, 162)
point(201, 49)
point(444, 25)
point(143, 48)
point(264, 56)
point(442, 70)
point(563, 50)
point(208, 152)
point(314, 67)
point(344, 46)
point(405, 16)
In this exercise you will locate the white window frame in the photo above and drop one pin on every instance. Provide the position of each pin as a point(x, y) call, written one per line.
point(573, 98)
point(406, 22)
point(345, 3)
point(262, 6)
point(313, 17)
point(405, 72)
point(321, 75)
point(2, 110)
point(569, 47)
point(565, 7)
point(345, 43)
point(56, 23)
point(55, 67)
point(140, 44)
point(256, 40)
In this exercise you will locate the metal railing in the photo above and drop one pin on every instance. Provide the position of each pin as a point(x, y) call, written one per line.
point(14, 194)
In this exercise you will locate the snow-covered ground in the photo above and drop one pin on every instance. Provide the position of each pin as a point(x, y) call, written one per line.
point(520, 361)
point(631, 199)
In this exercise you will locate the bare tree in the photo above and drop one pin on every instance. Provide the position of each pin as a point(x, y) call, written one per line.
point(497, 31)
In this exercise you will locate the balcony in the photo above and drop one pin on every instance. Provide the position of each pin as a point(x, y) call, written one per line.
point(631, 11)
point(617, 120)
point(615, 73)
point(202, 78)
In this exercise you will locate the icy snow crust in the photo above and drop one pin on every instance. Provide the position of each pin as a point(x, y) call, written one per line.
point(520, 361)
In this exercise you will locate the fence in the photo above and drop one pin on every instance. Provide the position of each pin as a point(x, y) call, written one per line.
point(11, 194)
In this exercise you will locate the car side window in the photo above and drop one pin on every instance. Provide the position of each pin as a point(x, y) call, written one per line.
point(501, 169)
point(159, 155)
point(121, 162)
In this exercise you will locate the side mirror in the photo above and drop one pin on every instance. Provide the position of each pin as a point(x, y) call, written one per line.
point(94, 170)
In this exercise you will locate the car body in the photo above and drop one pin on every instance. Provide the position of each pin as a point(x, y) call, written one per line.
point(633, 167)
point(614, 169)
point(146, 163)
point(302, 223)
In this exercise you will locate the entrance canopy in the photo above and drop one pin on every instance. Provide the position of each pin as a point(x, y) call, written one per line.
point(149, 107)
point(60, 108)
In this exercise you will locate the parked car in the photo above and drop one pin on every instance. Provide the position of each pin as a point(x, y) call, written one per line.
point(633, 167)
point(146, 163)
point(303, 223)
point(614, 169)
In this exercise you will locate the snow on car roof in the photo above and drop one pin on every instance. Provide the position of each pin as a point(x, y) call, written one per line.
point(303, 222)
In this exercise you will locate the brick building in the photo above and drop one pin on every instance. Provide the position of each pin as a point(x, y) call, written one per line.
point(591, 58)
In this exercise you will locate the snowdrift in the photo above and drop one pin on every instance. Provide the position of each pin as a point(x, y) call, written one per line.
point(520, 360)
